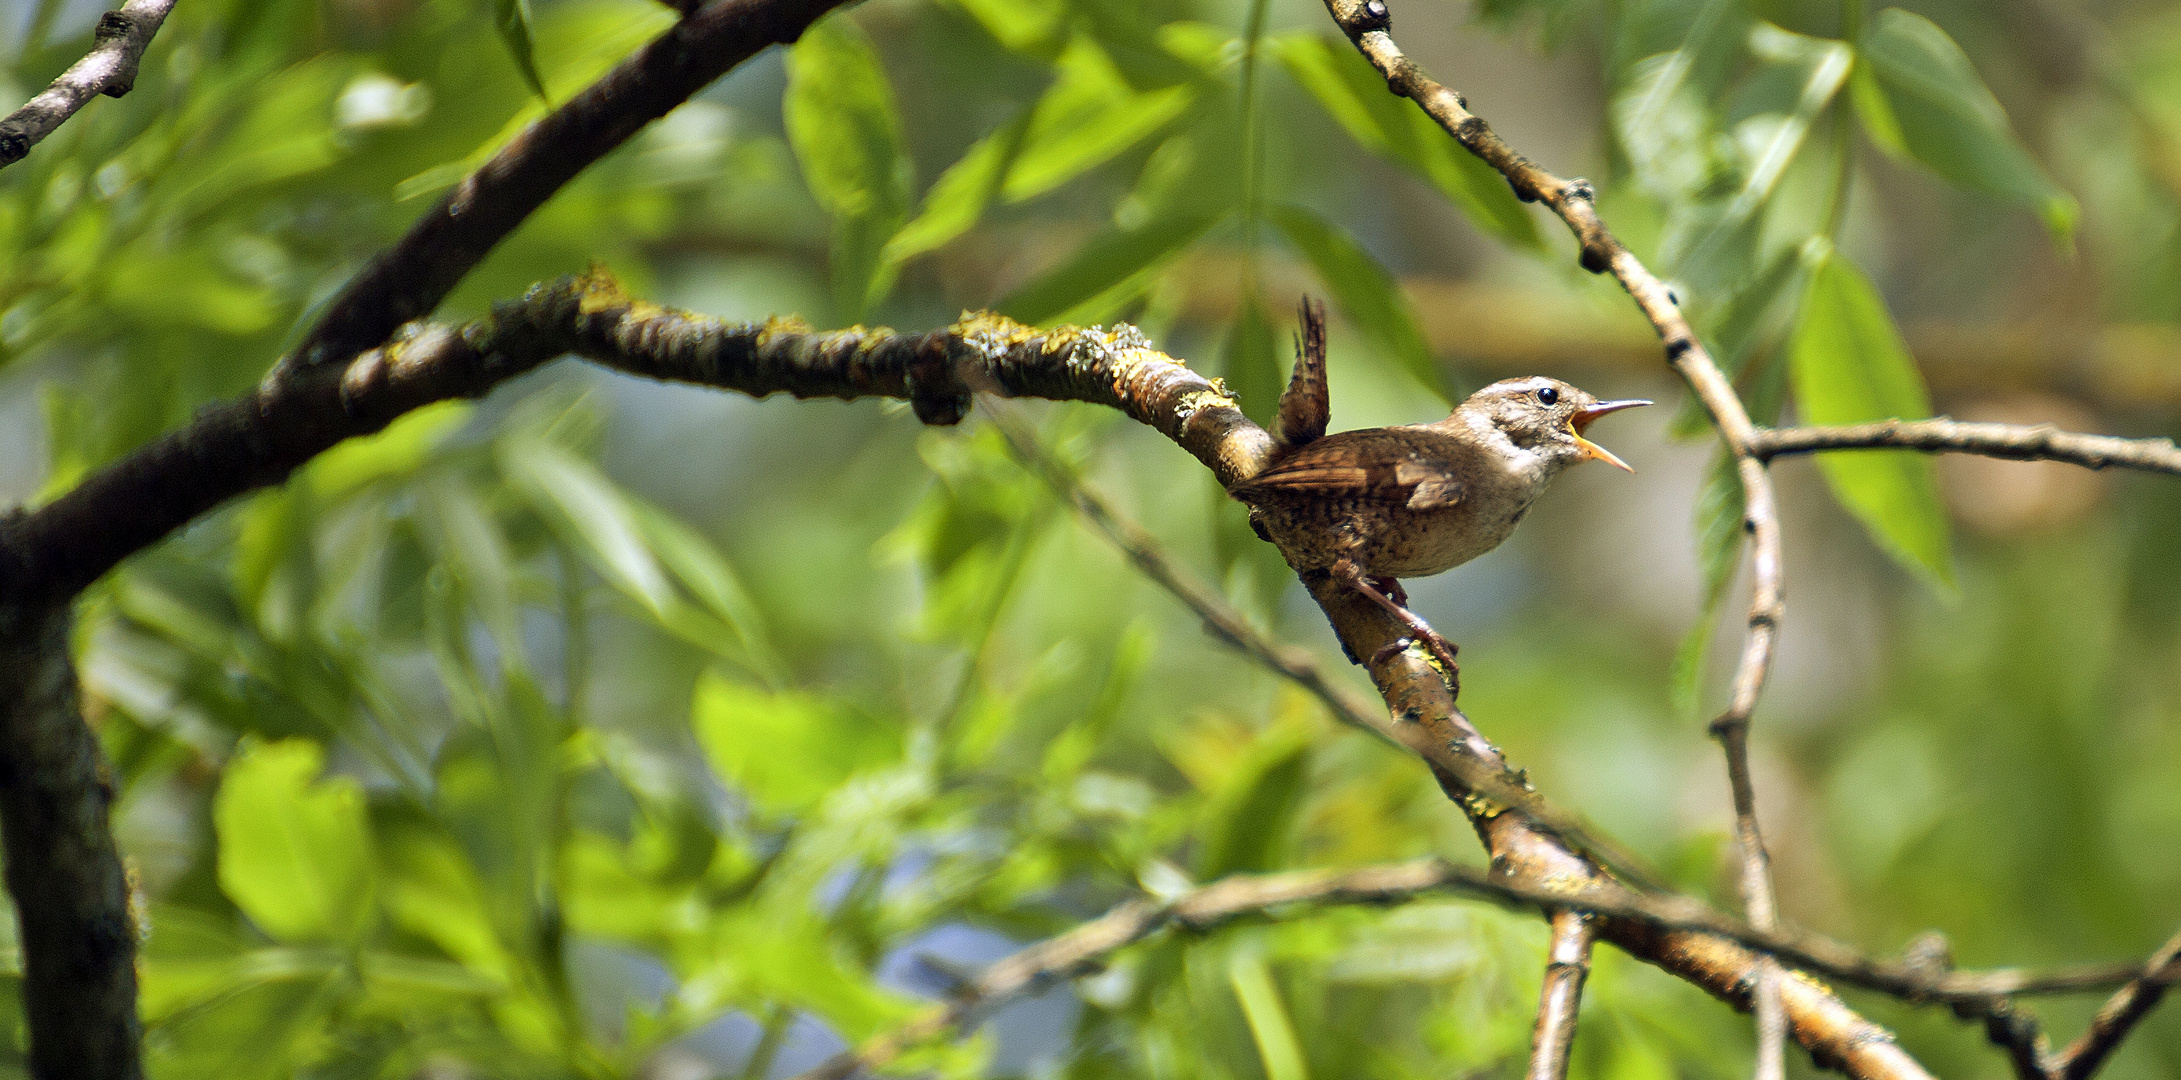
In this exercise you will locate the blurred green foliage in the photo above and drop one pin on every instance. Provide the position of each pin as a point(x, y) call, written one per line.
point(603, 730)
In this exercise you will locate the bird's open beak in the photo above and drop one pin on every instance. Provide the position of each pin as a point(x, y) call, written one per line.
point(1583, 418)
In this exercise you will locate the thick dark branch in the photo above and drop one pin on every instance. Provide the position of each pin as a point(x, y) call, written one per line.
point(2120, 1014)
point(1366, 22)
point(409, 279)
point(109, 68)
point(2041, 442)
point(71, 894)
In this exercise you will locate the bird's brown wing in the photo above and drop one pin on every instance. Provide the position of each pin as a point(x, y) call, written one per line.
point(1336, 468)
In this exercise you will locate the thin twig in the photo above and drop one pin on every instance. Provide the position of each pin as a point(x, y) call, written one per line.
point(2027, 442)
point(1567, 964)
point(2128, 1005)
point(1365, 22)
point(1080, 951)
point(109, 68)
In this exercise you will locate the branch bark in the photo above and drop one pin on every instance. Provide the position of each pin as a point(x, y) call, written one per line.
point(1365, 22)
point(109, 68)
point(2041, 442)
point(1567, 965)
point(71, 893)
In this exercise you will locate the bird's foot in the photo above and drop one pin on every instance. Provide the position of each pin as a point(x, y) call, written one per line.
point(1441, 649)
point(1391, 588)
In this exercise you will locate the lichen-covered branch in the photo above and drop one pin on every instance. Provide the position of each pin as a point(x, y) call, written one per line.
point(120, 37)
point(2039, 442)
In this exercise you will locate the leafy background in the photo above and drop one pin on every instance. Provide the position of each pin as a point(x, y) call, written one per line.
point(610, 729)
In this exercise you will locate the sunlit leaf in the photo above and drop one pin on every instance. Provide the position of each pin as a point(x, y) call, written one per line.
point(1109, 270)
point(1365, 290)
point(1850, 366)
point(512, 19)
point(1253, 357)
point(846, 131)
point(294, 849)
point(1354, 94)
point(786, 750)
point(586, 507)
point(1921, 98)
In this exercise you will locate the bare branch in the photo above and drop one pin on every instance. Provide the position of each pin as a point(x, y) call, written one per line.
point(1365, 22)
point(2041, 442)
point(109, 68)
point(2120, 1014)
point(1567, 964)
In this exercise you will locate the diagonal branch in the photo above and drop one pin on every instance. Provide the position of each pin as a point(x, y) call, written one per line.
point(109, 68)
point(1365, 22)
point(2040, 442)
point(409, 279)
point(2119, 1016)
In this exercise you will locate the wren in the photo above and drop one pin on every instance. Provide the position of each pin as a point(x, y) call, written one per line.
point(1378, 504)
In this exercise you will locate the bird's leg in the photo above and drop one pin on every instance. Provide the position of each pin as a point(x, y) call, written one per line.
point(1346, 570)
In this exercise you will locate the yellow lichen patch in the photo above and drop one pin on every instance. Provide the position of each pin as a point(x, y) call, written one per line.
point(1196, 401)
point(598, 290)
point(778, 325)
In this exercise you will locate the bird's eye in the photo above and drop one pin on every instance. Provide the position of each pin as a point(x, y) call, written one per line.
point(1548, 396)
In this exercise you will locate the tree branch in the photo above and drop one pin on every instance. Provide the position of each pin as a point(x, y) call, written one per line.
point(109, 68)
point(2040, 442)
point(409, 279)
point(1080, 951)
point(1365, 22)
point(1567, 964)
point(2120, 1014)
point(71, 893)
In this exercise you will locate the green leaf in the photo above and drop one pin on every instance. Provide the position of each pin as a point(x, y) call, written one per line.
point(1024, 26)
point(294, 851)
point(958, 198)
point(1719, 511)
point(586, 508)
point(786, 751)
point(846, 131)
point(1267, 1017)
point(512, 19)
point(1921, 99)
point(1354, 95)
point(1109, 270)
point(1849, 366)
point(1253, 362)
point(1089, 115)
point(1365, 290)
point(1249, 819)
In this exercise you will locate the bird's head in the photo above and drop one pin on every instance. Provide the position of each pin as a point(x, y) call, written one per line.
point(1544, 417)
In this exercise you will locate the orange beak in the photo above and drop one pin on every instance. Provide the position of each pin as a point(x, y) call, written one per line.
point(1583, 418)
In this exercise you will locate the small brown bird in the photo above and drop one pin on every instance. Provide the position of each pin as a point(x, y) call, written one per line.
point(1377, 504)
